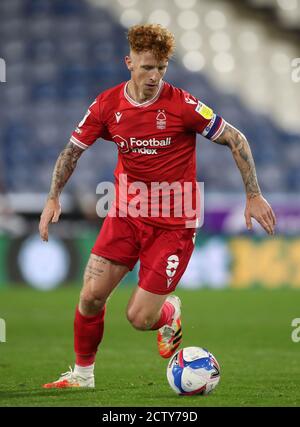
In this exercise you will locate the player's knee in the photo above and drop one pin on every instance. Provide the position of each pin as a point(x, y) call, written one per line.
point(89, 302)
point(139, 320)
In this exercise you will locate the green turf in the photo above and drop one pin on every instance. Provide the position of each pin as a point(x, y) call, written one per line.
point(249, 332)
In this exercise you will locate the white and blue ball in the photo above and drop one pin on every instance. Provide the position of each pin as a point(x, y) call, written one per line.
point(193, 370)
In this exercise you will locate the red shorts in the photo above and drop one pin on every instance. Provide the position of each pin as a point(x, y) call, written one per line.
point(163, 254)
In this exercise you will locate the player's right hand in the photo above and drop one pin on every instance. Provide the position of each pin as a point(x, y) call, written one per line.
point(51, 213)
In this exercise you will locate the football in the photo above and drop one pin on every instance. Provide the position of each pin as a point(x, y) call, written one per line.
point(193, 370)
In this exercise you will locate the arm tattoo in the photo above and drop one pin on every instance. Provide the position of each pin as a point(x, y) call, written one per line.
point(64, 168)
point(241, 152)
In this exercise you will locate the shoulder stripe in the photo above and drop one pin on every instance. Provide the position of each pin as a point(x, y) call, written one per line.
point(78, 143)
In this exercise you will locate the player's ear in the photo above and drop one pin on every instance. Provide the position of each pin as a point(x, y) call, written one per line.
point(128, 62)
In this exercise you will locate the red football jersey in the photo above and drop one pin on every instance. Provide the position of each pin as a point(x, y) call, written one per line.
point(156, 143)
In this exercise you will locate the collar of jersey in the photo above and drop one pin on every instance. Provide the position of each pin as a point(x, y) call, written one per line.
point(146, 103)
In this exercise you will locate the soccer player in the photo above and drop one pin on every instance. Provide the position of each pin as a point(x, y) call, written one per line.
point(154, 125)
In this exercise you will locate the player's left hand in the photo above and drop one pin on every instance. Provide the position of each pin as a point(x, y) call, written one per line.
point(258, 208)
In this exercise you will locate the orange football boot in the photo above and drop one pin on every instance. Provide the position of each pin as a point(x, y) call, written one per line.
point(169, 337)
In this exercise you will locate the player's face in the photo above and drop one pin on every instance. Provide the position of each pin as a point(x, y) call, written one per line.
point(146, 72)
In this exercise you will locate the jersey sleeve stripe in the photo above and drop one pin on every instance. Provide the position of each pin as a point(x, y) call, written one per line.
point(216, 129)
point(78, 143)
point(209, 127)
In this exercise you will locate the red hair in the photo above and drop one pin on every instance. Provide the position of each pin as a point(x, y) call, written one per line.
point(152, 37)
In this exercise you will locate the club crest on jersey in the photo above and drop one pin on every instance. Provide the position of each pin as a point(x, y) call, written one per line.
point(161, 119)
point(204, 111)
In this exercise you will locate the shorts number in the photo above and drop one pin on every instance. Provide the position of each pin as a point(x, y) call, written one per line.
point(173, 262)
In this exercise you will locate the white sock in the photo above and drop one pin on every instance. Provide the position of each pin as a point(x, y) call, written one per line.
point(84, 371)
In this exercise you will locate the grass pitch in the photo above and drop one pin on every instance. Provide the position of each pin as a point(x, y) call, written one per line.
point(249, 332)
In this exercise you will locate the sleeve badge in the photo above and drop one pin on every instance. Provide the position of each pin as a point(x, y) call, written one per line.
point(204, 111)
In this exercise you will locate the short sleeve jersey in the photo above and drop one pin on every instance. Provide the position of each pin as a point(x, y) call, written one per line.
point(156, 143)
